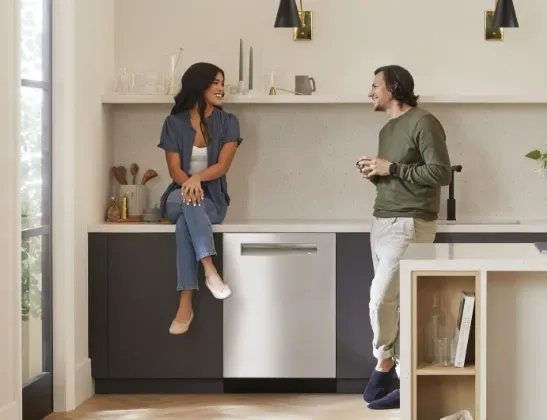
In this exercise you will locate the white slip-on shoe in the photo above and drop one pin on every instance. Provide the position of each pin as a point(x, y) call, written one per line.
point(181, 327)
point(219, 293)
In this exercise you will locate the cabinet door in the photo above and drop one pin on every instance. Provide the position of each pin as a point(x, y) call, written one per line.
point(142, 301)
point(98, 304)
point(354, 274)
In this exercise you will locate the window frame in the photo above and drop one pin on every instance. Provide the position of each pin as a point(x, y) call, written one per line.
point(38, 391)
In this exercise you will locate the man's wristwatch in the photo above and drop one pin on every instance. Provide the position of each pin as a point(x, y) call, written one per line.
point(393, 169)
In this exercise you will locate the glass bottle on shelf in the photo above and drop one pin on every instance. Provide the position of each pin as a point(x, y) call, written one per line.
point(440, 336)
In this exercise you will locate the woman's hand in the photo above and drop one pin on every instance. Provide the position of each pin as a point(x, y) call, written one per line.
point(192, 193)
point(192, 196)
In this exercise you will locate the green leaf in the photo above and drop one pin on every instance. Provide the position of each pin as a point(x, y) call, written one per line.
point(534, 154)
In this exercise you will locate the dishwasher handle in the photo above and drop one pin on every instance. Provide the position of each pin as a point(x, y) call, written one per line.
point(277, 249)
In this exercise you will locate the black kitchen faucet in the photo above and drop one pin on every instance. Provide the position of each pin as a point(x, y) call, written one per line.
point(451, 202)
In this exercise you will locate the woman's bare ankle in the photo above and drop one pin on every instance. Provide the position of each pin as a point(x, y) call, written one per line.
point(183, 314)
point(211, 272)
point(208, 267)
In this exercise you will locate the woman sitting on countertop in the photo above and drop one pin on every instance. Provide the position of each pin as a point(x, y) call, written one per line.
point(200, 141)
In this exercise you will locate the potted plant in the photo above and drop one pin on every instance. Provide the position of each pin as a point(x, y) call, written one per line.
point(541, 157)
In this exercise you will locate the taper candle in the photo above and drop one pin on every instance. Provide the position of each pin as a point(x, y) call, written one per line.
point(240, 59)
point(250, 68)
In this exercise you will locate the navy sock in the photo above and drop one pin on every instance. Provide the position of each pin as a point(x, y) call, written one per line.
point(379, 385)
point(389, 402)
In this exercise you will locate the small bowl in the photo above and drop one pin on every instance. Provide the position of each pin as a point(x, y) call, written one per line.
point(152, 210)
point(151, 217)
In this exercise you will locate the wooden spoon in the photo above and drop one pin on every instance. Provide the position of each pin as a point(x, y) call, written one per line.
point(117, 175)
point(122, 171)
point(148, 175)
point(134, 169)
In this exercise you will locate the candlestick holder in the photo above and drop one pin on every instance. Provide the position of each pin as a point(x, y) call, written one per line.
point(274, 89)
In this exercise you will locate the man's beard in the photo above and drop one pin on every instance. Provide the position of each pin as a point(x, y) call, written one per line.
point(379, 108)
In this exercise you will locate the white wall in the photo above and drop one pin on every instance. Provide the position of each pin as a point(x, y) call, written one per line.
point(10, 216)
point(94, 67)
point(441, 42)
point(83, 62)
point(297, 162)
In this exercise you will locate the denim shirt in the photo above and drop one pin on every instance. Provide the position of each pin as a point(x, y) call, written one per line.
point(177, 135)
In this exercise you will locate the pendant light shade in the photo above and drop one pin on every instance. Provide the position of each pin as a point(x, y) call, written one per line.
point(287, 15)
point(505, 16)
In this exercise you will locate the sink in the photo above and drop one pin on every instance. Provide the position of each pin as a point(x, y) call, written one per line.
point(478, 222)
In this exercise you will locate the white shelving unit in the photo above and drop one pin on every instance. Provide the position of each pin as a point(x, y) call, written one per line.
point(287, 99)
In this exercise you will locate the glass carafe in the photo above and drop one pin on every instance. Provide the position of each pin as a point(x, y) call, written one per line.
point(439, 333)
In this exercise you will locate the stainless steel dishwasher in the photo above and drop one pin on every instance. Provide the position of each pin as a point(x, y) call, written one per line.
point(280, 321)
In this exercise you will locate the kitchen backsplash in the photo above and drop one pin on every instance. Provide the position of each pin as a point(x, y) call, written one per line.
point(298, 161)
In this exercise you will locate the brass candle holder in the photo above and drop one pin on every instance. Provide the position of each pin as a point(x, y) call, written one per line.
point(273, 91)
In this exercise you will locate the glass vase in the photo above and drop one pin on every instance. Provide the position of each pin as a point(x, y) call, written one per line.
point(439, 333)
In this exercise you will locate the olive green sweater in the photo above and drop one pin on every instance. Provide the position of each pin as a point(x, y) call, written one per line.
point(416, 141)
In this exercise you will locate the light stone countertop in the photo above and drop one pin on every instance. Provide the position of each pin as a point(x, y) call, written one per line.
point(473, 257)
point(329, 226)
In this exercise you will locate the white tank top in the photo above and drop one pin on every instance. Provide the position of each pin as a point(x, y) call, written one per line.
point(198, 161)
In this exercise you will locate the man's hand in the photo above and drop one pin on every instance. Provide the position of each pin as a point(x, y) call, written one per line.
point(371, 166)
point(192, 193)
point(363, 166)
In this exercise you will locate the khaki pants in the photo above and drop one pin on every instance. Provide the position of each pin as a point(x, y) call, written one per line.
point(389, 239)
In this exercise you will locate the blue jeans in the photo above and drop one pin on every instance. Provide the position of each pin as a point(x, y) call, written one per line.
point(194, 235)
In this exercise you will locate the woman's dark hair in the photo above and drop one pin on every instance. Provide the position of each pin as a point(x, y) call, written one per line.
point(400, 83)
point(195, 81)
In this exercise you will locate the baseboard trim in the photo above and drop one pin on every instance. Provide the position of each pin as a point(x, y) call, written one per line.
point(84, 382)
point(10, 411)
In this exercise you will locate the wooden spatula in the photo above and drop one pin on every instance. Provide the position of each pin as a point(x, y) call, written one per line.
point(123, 172)
point(134, 169)
point(148, 175)
point(117, 175)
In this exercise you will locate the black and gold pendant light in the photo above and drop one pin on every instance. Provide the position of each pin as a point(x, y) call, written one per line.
point(287, 15)
point(505, 16)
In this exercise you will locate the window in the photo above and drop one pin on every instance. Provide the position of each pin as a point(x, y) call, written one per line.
point(35, 141)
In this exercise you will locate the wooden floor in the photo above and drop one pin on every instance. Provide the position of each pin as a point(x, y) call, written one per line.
point(229, 407)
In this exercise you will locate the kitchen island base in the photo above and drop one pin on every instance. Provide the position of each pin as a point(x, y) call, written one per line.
point(502, 378)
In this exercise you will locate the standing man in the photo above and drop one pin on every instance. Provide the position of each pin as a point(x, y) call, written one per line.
point(411, 166)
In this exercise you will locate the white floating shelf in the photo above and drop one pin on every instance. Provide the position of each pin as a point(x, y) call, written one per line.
point(326, 99)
